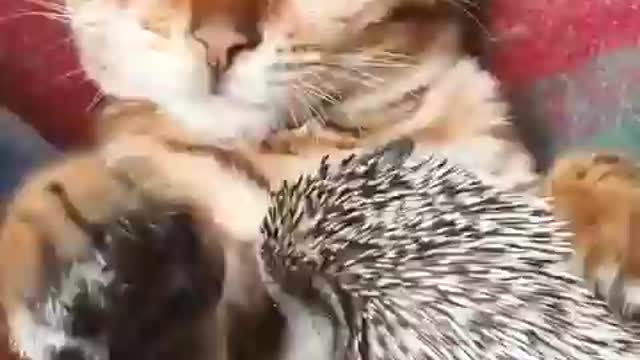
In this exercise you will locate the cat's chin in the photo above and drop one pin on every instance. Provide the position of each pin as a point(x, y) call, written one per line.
point(217, 119)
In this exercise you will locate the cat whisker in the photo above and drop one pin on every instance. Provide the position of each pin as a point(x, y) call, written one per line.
point(397, 55)
point(379, 64)
point(365, 75)
point(313, 111)
point(64, 19)
point(292, 109)
point(470, 3)
point(50, 5)
point(320, 93)
point(293, 116)
point(463, 7)
point(350, 76)
point(70, 74)
point(331, 90)
point(96, 100)
point(321, 105)
point(298, 97)
point(378, 59)
point(317, 112)
point(354, 70)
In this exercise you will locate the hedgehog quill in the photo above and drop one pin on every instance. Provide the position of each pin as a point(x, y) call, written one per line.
point(391, 258)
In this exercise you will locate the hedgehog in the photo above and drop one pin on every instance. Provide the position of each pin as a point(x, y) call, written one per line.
point(391, 256)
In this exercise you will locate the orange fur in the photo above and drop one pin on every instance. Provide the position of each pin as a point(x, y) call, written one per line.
point(35, 221)
point(599, 195)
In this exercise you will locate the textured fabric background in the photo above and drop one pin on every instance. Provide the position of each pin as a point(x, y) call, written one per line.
point(39, 77)
point(579, 62)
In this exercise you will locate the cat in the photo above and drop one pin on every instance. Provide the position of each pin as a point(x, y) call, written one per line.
point(599, 195)
point(348, 74)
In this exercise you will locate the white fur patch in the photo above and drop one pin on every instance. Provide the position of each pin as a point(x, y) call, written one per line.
point(38, 335)
point(576, 264)
point(631, 298)
point(604, 277)
point(32, 340)
point(129, 61)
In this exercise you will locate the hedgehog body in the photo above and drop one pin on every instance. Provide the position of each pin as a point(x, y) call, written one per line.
point(421, 260)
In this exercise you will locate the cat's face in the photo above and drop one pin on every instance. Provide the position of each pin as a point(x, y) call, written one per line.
point(308, 54)
point(289, 58)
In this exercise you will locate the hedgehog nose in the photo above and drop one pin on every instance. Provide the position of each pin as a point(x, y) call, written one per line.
point(68, 353)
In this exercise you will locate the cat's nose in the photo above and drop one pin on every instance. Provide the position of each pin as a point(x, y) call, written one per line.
point(224, 42)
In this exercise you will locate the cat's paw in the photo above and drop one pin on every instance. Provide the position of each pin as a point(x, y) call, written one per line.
point(599, 195)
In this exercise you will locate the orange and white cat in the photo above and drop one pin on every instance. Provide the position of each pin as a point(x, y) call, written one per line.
point(348, 73)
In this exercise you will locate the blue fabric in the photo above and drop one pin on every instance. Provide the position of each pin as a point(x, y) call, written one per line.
point(21, 151)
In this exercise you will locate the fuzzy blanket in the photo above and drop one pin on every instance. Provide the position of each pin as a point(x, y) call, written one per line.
point(578, 62)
